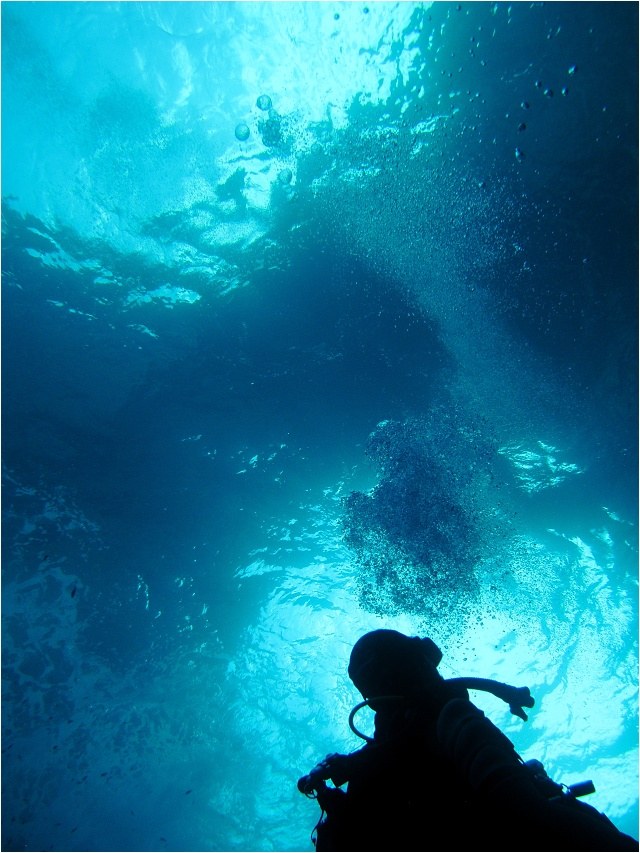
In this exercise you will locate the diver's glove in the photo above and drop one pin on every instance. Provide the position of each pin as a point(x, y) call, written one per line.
point(335, 767)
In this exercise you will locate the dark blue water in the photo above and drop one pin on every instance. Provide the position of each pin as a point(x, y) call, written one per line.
point(374, 364)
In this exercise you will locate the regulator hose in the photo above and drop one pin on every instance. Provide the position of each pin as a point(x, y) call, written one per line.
point(517, 698)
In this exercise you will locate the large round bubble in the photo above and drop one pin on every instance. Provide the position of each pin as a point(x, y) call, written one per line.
point(285, 176)
point(264, 102)
point(242, 131)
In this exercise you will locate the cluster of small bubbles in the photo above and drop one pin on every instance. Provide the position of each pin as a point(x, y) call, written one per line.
point(271, 130)
point(413, 549)
point(547, 91)
point(242, 132)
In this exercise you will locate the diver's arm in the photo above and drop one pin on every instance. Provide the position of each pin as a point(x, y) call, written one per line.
point(488, 763)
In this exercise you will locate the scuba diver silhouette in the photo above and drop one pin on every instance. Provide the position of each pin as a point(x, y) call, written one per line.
point(437, 774)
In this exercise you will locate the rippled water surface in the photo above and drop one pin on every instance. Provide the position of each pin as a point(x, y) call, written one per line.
point(317, 317)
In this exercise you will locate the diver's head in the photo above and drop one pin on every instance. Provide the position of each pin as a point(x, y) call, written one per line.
point(385, 662)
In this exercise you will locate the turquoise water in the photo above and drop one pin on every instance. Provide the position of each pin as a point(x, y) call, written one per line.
point(317, 317)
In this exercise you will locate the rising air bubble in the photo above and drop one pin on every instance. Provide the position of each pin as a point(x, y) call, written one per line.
point(264, 103)
point(242, 132)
